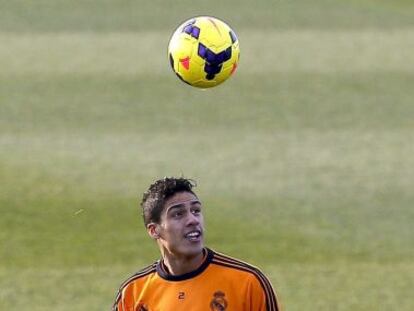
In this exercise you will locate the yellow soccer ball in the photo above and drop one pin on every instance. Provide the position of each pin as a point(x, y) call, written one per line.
point(204, 51)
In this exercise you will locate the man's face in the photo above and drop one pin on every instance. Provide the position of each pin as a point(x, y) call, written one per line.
point(181, 227)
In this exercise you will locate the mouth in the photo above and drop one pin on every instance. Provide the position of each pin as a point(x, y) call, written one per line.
point(193, 236)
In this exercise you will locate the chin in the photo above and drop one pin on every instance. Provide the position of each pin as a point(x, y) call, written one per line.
point(193, 250)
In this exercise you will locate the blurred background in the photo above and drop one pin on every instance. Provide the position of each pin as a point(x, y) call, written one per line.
point(304, 158)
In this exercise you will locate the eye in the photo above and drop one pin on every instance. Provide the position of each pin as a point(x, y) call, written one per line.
point(196, 210)
point(177, 214)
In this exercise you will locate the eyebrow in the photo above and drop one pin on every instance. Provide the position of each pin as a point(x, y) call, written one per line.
point(181, 205)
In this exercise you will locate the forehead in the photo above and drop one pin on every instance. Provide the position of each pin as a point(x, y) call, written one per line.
point(180, 198)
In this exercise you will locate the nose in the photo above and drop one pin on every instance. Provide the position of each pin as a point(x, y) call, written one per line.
point(193, 220)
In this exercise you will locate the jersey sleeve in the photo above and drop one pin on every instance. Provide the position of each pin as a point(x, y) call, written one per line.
point(118, 305)
point(124, 300)
point(262, 297)
point(130, 289)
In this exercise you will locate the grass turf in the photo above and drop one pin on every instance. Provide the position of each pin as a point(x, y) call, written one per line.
point(310, 144)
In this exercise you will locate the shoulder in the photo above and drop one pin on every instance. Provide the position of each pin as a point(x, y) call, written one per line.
point(140, 274)
point(144, 272)
point(236, 264)
point(260, 283)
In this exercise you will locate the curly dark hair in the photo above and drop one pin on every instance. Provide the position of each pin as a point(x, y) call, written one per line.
point(161, 190)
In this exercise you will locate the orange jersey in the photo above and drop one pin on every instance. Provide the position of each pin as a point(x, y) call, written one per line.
point(221, 283)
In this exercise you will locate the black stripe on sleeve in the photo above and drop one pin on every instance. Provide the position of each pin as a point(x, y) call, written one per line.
point(271, 300)
point(142, 273)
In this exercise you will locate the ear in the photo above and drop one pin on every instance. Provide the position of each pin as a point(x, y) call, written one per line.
point(153, 231)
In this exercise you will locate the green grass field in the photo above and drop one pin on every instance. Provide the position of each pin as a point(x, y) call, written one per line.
point(304, 159)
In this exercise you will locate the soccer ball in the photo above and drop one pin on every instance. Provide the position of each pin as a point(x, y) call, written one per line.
point(204, 51)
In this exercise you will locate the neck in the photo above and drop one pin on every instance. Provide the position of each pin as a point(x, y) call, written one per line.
point(178, 265)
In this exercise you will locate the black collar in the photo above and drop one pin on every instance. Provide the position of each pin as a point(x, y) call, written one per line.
point(169, 277)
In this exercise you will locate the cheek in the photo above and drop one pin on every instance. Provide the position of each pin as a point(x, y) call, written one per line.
point(171, 230)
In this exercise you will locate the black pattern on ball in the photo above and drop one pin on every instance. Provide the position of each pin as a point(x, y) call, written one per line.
point(214, 62)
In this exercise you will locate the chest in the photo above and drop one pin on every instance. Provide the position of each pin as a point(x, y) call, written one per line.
point(192, 295)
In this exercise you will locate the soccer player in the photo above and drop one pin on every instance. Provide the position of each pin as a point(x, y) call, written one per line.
point(189, 276)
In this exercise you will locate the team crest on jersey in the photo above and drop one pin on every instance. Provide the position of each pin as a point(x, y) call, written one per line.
point(218, 303)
